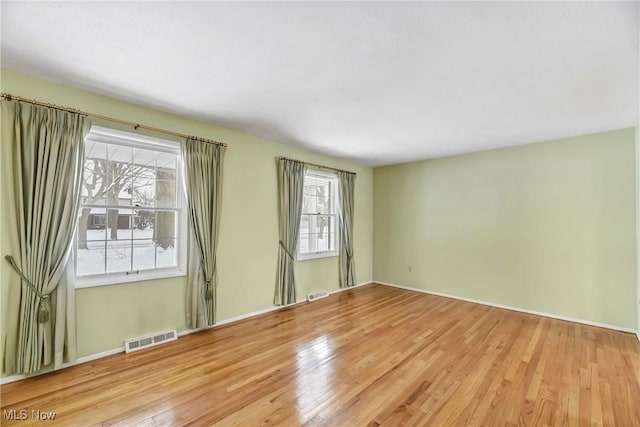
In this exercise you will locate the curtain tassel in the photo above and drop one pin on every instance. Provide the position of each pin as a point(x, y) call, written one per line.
point(43, 313)
point(208, 295)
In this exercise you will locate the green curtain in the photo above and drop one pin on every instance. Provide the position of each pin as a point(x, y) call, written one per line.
point(290, 194)
point(43, 155)
point(346, 182)
point(203, 181)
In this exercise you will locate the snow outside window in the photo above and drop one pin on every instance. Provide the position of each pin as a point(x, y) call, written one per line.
point(318, 223)
point(132, 225)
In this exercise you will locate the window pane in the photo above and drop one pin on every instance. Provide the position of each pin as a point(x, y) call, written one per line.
point(321, 188)
point(165, 226)
point(166, 193)
point(167, 166)
point(323, 239)
point(90, 257)
point(144, 254)
point(324, 205)
point(92, 224)
point(143, 174)
point(144, 161)
point(95, 150)
point(144, 192)
point(117, 156)
point(119, 188)
point(331, 205)
point(304, 224)
point(313, 243)
point(309, 204)
point(332, 241)
point(143, 179)
point(321, 224)
point(310, 184)
point(303, 244)
point(118, 224)
point(166, 255)
point(94, 183)
point(143, 224)
point(313, 225)
point(118, 256)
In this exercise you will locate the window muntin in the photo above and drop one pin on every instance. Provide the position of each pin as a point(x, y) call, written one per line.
point(131, 221)
point(318, 223)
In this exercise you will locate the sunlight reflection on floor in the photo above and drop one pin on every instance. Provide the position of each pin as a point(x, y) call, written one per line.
point(314, 363)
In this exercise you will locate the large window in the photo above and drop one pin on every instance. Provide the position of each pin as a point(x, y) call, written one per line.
point(132, 225)
point(318, 224)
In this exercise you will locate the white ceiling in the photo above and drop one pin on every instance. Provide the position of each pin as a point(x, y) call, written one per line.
point(377, 83)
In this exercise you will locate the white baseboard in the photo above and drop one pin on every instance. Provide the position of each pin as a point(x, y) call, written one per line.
point(521, 310)
point(91, 357)
point(352, 287)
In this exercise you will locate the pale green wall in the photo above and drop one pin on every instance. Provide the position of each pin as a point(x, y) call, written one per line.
point(248, 238)
point(547, 227)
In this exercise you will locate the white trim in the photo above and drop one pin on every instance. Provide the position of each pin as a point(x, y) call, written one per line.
point(113, 136)
point(92, 357)
point(123, 277)
point(79, 361)
point(352, 287)
point(317, 255)
point(521, 310)
point(14, 378)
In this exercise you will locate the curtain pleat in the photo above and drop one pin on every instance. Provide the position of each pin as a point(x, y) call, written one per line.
point(290, 193)
point(43, 162)
point(346, 182)
point(203, 181)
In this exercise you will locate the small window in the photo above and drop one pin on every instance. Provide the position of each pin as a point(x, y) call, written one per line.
point(318, 223)
point(132, 225)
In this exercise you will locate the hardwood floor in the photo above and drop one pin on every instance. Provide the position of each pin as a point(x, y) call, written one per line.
point(371, 356)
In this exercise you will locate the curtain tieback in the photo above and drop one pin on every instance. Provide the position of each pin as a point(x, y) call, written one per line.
point(287, 251)
point(43, 313)
point(208, 282)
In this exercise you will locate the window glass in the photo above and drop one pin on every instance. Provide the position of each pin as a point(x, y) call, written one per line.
point(318, 236)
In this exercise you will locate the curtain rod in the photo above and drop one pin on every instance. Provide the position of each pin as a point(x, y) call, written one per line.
point(316, 165)
point(136, 126)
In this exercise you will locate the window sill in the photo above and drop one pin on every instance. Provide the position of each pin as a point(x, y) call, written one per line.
point(316, 255)
point(120, 278)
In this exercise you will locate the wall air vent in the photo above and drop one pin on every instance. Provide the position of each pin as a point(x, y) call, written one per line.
point(317, 295)
point(138, 343)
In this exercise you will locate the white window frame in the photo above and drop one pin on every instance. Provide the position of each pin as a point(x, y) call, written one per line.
point(317, 173)
point(112, 136)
